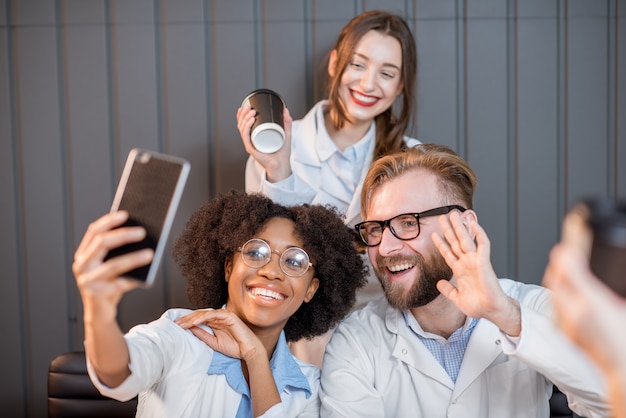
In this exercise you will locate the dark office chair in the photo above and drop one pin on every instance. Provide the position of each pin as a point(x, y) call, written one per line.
point(558, 405)
point(71, 393)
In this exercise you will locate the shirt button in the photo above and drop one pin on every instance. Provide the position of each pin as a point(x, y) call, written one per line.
point(404, 351)
point(498, 342)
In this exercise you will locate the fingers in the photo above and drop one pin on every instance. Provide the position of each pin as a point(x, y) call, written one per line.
point(104, 223)
point(568, 274)
point(215, 318)
point(458, 239)
point(483, 244)
point(288, 123)
point(245, 120)
point(208, 338)
point(448, 290)
point(101, 237)
point(576, 232)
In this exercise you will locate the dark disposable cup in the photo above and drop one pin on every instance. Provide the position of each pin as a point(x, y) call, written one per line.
point(268, 130)
point(607, 219)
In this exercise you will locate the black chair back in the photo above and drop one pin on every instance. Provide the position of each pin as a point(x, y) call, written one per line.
point(71, 393)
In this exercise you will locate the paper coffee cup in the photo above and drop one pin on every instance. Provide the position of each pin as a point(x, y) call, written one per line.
point(268, 131)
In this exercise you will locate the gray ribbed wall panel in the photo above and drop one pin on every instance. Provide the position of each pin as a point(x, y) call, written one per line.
point(532, 92)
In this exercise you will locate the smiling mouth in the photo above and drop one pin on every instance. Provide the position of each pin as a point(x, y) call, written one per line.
point(400, 268)
point(266, 293)
point(363, 99)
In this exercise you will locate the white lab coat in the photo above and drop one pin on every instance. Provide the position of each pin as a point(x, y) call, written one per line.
point(169, 370)
point(375, 366)
point(312, 180)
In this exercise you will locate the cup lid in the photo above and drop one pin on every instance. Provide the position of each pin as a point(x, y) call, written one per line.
point(268, 137)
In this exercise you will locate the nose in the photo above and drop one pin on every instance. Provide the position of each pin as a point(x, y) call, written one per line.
point(389, 243)
point(367, 80)
point(272, 269)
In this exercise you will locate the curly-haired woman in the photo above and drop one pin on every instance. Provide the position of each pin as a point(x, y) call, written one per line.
point(265, 274)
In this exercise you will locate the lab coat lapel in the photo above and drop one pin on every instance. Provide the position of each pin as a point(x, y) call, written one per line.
point(482, 350)
point(410, 350)
point(353, 213)
point(304, 151)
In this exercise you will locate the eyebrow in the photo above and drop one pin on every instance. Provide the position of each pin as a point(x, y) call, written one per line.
point(288, 246)
point(385, 64)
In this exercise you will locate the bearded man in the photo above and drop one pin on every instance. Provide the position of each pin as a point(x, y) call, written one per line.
point(449, 339)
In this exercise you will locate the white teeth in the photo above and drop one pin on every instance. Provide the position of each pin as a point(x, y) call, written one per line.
point(400, 267)
point(366, 99)
point(259, 291)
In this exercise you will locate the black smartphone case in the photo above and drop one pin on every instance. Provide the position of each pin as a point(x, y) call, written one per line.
point(150, 189)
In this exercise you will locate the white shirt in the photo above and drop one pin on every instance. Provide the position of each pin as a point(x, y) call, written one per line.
point(375, 366)
point(169, 366)
point(312, 179)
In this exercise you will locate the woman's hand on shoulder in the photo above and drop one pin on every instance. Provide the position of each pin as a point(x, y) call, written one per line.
point(230, 335)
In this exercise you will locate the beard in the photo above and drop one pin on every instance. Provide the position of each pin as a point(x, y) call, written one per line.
point(424, 288)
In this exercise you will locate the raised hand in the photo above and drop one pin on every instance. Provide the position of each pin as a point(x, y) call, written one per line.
point(585, 308)
point(101, 287)
point(475, 288)
point(276, 165)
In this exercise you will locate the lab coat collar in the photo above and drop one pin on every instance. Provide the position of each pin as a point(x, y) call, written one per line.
point(478, 354)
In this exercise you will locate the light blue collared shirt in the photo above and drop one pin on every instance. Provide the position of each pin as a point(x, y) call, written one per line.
point(448, 352)
point(285, 370)
point(347, 164)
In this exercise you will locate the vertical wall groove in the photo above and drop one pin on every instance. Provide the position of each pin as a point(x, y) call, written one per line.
point(615, 107)
point(116, 152)
point(565, 108)
point(562, 63)
point(66, 155)
point(160, 53)
point(259, 42)
point(209, 98)
point(461, 77)
point(513, 129)
point(163, 116)
point(308, 52)
point(18, 198)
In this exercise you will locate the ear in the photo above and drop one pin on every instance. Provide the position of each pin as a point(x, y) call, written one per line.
point(468, 216)
point(310, 291)
point(228, 268)
point(332, 62)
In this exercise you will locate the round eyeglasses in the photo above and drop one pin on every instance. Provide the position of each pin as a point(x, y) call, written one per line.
point(405, 226)
point(293, 262)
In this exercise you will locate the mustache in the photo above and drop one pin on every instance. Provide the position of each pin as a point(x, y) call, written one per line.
point(414, 259)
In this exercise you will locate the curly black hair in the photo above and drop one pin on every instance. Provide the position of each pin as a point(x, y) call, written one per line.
point(216, 230)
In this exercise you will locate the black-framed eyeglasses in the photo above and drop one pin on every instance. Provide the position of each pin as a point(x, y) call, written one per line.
point(293, 262)
point(405, 226)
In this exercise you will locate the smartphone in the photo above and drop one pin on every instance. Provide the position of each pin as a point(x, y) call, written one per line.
point(607, 219)
point(150, 189)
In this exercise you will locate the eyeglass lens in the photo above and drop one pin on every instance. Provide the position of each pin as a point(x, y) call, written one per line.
point(402, 226)
point(256, 253)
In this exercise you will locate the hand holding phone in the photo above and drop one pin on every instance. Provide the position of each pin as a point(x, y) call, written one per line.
point(607, 220)
point(150, 189)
